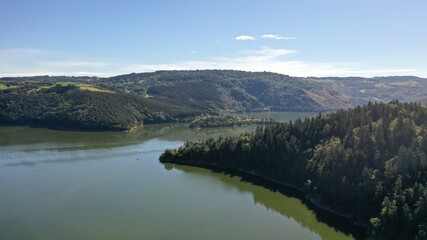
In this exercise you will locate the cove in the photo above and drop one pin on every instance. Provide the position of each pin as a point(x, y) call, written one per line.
point(110, 185)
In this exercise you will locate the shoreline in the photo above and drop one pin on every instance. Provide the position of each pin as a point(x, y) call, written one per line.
point(341, 221)
point(124, 130)
point(184, 120)
point(234, 125)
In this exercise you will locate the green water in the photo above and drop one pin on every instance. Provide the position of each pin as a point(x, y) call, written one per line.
point(82, 185)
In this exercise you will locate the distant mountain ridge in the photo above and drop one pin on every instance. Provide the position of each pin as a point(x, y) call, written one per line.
point(361, 90)
point(239, 91)
point(230, 90)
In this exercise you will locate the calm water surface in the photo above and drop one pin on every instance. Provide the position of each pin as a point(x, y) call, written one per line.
point(83, 185)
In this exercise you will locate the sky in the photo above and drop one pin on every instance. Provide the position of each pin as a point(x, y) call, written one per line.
point(299, 38)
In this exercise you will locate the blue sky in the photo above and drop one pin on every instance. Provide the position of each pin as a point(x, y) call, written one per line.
point(299, 38)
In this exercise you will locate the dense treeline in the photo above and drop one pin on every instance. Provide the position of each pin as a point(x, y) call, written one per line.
point(369, 162)
point(72, 108)
point(227, 120)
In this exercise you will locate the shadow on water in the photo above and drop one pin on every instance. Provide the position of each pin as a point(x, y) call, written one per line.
point(68, 146)
point(74, 140)
point(60, 140)
point(291, 209)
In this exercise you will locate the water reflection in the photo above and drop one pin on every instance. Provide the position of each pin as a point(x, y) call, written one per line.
point(273, 199)
point(59, 140)
point(18, 144)
point(90, 185)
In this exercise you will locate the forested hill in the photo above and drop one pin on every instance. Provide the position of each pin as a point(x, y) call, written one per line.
point(369, 162)
point(254, 91)
point(69, 107)
point(230, 90)
point(237, 91)
point(122, 102)
point(361, 90)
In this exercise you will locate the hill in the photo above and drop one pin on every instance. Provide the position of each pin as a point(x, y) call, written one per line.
point(359, 91)
point(238, 91)
point(69, 107)
point(255, 91)
point(230, 90)
point(180, 95)
point(368, 162)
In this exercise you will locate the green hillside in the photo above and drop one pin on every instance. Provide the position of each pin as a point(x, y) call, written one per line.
point(180, 95)
point(69, 107)
point(369, 162)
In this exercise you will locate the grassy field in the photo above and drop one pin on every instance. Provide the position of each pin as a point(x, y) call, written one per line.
point(82, 86)
point(4, 86)
point(91, 88)
point(41, 86)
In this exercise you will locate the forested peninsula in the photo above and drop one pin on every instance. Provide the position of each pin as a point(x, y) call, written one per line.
point(227, 120)
point(368, 162)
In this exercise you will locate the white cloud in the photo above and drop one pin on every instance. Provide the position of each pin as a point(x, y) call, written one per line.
point(276, 37)
point(279, 60)
point(267, 52)
point(251, 60)
point(272, 60)
point(244, 38)
point(272, 37)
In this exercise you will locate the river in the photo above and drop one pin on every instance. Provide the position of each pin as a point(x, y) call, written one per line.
point(110, 185)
